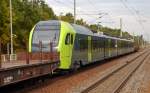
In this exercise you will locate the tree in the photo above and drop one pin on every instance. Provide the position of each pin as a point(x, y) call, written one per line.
point(68, 18)
point(26, 13)
point(4, 23)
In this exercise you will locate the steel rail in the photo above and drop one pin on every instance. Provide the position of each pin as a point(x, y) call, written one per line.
point(115, 71)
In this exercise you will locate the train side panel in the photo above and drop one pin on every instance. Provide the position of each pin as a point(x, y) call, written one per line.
point(80, 50)
point(97, 48)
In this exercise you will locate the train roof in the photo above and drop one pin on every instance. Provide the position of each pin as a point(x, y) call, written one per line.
point(80, 29)
point(83, 30)
point(118, 38)
point(49, 22)
point(105, 36)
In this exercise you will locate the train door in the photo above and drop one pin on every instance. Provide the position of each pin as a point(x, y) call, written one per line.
point(116, 47)
point(109, 48)
point(68, 44)
point(66, 51)
point(105, 48)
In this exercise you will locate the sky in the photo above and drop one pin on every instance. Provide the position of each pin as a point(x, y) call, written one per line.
point(135, 14)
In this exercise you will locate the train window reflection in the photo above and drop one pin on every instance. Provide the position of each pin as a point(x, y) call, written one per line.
point(67, 40)
point(46, 34)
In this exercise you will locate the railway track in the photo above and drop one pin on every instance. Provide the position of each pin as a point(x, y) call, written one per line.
point(53, 79)
point(114, 81)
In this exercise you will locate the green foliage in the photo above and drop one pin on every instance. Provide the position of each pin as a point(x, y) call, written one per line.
point(94, 27)
point(109, 31)
point(4, 23)
point(26, 13)
point(68, 18)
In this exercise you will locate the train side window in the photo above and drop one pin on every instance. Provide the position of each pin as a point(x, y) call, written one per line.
point(71, 38)
point(67, 40)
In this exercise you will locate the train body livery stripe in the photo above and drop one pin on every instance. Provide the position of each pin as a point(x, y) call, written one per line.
point(30, 39)
point(89, 49)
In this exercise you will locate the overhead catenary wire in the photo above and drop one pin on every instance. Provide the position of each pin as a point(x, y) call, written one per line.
point(91, 3)
point(140, 19)
point(86, 13)
point(69, 6)
point(62, 3)
point(133, 12)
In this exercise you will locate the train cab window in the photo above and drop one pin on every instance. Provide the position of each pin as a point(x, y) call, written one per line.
point(67, 40)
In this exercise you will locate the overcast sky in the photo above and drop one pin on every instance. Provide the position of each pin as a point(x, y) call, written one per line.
point(134, 13)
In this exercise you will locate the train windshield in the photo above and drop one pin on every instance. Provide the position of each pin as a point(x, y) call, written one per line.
point(44, 34)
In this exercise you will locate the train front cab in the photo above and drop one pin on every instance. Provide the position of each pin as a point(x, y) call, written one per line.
point(60, 33)
point(44, 38)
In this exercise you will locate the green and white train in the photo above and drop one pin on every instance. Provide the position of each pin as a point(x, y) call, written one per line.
point(76, 44)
